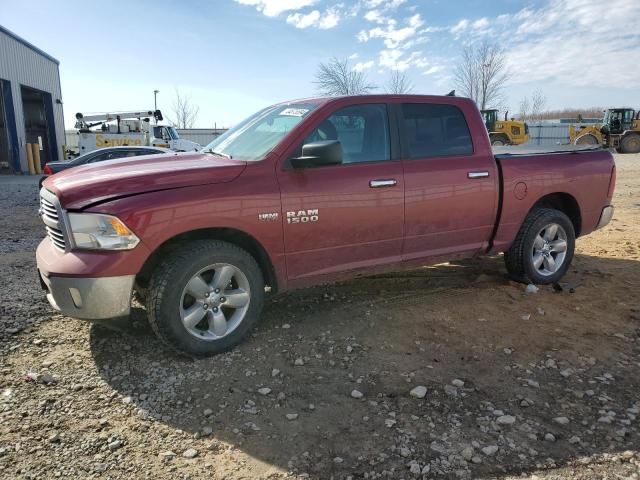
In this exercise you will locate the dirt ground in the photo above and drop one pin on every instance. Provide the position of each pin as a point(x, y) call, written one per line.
point(543, 385)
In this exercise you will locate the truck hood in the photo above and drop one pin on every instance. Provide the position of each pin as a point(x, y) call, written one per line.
point(85, 185)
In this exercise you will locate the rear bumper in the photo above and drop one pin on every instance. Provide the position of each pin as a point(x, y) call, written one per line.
point(605, 216)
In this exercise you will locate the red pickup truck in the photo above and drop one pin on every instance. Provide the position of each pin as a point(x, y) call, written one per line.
point(302, 193)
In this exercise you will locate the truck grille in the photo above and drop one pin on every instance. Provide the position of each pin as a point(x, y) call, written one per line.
point(52, 216)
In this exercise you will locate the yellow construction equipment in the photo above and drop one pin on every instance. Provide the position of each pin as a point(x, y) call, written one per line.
point(620, 129)
point(504, 132)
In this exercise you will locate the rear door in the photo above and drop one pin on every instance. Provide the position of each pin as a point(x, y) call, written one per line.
point(349, 216)
point(451, 185)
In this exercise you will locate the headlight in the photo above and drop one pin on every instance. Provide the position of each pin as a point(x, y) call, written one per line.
point(102, 232)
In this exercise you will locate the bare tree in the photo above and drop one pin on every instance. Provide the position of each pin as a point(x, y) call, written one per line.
point(525, 108)
point(399, 83)
point(573, 113)
point(534, 109)
point(184, 113)
point(336, 78)
point(482, 73)
point(466, 74)
point(538, 102)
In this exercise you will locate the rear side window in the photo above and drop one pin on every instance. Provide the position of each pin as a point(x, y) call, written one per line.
point(433, 130)
point(111, 155)
point(363, 132)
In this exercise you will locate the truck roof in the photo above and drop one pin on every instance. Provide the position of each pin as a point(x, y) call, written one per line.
point(376, 97)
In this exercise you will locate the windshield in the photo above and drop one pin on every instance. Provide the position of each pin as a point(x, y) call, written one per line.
point(172, 133)
point(252, 138)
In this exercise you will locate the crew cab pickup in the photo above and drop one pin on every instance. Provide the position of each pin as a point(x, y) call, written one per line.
point(302, 193)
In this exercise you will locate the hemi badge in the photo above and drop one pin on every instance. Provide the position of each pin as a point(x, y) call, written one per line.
point(268, 217)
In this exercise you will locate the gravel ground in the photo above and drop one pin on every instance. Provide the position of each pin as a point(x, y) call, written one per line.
point(449, 371)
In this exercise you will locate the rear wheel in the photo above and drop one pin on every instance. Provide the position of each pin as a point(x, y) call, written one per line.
point(205, 298)
point(587, 140)
point(630, 143)
point(543, 249)
point(499, 140)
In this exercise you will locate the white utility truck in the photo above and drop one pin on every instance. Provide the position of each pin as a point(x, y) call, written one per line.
point(101, 130)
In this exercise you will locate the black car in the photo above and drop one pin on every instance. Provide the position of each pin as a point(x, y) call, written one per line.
point(100, 155)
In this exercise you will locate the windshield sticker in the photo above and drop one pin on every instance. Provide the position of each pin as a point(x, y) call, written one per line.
point(294, 112)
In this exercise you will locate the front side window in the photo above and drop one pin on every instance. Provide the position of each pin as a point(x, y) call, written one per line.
point(435, 130)
point(362, 130)
point(253, 138)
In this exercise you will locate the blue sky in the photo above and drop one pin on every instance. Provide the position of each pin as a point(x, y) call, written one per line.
point(233, 57)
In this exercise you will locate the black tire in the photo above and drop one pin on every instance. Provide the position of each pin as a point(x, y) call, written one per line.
point(630, 143)
point(499, 140)
point(586, 140)
point(518, 258)
point(164, 295)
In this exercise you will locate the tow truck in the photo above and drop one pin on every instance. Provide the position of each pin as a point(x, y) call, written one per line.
point(100, 130)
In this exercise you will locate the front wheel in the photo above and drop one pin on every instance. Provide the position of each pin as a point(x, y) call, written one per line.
point(543, 249)
point(205, 298)
point(498, 140)
point(630, 143)
point(586, 140)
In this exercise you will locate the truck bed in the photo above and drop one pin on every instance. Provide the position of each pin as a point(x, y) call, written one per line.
point(579, 178)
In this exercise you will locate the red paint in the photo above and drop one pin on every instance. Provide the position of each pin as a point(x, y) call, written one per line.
point(433, 212)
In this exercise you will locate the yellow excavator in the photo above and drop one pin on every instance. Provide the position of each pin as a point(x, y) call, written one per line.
point(504, 132)
point(620, 129)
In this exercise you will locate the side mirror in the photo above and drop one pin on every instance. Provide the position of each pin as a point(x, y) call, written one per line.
point(318, 154)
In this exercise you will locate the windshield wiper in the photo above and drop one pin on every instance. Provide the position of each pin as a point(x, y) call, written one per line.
point(220, 154)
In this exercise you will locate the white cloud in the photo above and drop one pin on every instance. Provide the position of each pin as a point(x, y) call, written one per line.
point(273, 8)
point(395, 59)
point(362, 66)
point(391, 35)
point(375, 16)
point(303, 21)
point(460, 27)
point(384, 4)
point(329, 19)
point(471, 29)
point(433, 69)
point(481, 24)
point(574, 42)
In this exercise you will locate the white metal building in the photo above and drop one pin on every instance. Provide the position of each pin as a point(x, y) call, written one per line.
point(203, 136)
point(30, 103)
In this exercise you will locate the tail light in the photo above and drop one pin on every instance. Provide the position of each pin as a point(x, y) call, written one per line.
point(612, 182)
point(47, 170)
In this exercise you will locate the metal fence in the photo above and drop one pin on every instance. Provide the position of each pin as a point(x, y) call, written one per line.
point(546, 133)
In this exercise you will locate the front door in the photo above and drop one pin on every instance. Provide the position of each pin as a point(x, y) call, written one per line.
point(344, 217)
point(451, 188)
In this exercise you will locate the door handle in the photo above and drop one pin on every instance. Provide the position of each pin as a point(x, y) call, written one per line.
point(390, 182)
point(484, 174)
